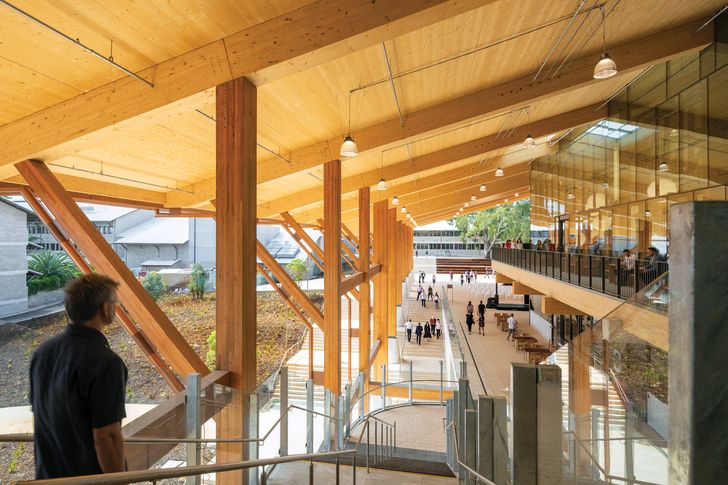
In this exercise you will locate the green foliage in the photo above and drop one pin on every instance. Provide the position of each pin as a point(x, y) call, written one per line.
point(17, 453)
point(197, 281)
point(507, 221)
point(55, 270)
point(211, 350)
point(297, 269)
point(154, 285)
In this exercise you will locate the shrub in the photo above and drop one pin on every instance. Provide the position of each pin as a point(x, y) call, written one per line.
point(54, 269)
point(154, 285)
point(210, 357)
point(197, 281)
point(44, 283)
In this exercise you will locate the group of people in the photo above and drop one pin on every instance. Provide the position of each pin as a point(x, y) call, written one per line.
point(422, 277)
point(653, 267)
point(470, 319)
point(430, 328)
point(468, 276)
point(430, 295)
point(547, 245)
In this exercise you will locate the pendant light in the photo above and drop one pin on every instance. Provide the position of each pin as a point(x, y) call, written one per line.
point(529, 142)
point(606, 67)
point(483, 188)
point(605, 185)
point(403, 210)
point(499, 172)
point(466, 204)
point(570, 195)
point(515, 195)
point(395, 200)
point(663, 167)
point(382, 185)
point(505, 200)
point(348, 148)
point(648, 213)
point(472, 197)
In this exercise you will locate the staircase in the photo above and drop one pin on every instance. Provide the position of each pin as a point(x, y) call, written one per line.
point(460, 265)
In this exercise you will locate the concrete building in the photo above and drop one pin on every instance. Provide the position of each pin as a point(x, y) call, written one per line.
point(443, 239)
point(13, 262)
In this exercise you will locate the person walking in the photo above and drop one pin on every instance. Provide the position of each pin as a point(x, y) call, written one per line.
point(427, 331)
point(78, 388)
point(470, 308)
point(481, 309)
point(434, 278)
point(462, 279)
point(481, 324)
point(512, 324)
point(450, 276)
point(438, 328)
point(423, 300)
point(432, 325)
point(469, 322)
point(408, 328)
point(437, 301)
point(430, 295)
point(418, 333)
point(419, 291)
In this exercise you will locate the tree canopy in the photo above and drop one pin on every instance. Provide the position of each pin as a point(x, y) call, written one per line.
point(507, 221)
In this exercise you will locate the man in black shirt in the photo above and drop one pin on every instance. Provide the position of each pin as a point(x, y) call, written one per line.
point(481, 309)
point(78, 386)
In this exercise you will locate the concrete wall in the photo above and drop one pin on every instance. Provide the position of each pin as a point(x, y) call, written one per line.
point(135, 254)
point(45, 298)
point(13, 261)
point(202, 242)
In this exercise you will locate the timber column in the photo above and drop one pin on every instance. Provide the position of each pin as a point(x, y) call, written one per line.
point(364, 291)
point(332, 276)
point(392, 275)
point(236, 245)
point(381, 293)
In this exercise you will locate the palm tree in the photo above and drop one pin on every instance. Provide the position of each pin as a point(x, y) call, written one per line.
point(47, 263)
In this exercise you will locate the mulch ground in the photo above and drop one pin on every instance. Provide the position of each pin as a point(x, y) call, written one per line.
point(279, 331)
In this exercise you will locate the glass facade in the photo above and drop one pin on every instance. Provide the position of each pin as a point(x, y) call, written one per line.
point(610, 185)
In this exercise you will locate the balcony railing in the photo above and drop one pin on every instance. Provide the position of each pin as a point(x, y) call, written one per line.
point(606, 274)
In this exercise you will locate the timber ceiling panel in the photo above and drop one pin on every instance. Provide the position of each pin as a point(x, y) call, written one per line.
point(173, 146)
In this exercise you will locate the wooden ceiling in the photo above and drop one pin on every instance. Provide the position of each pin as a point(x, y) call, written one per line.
point(463, 72)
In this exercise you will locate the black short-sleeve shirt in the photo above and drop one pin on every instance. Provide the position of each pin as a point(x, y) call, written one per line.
point(77, 383)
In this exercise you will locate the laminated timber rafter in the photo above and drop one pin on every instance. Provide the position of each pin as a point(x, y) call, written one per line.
point(152, 321)
point(126, 321)
point(264, 52)
point(633, 55)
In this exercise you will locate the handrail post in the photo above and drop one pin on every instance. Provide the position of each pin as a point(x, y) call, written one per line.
point(604, 273)
point(327, 419)
point(620, 278)
point(376, 440)
point(310, 473)
point(362, 396)
point(410, 382)
point(193, 423)
point(340, 425)
point(347, 410)
point(394, 444)
point(254, 445)
point(384, 386)
point(578, 268)
point(442, 378)
point(590, 258)
point(368, 441)
point(309, 416)
point(283, 450)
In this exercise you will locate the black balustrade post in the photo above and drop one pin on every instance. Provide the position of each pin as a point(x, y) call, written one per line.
point(591, 259)
point(568, 265)
point(578, 267)
point(619, 278)
point(602, 260)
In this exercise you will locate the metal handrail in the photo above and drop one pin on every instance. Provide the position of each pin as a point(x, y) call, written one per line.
point(607, 476)
point(119, 478)
point(378, 388)
point(160, 474)
point(452, 427)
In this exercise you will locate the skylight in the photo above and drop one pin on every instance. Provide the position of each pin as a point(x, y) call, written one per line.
point(611, 129)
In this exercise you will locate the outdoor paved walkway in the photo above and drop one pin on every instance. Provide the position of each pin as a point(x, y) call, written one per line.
point(297, 472)
point(491, 353)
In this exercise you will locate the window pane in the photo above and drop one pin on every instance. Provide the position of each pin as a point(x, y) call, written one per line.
point(693, 140)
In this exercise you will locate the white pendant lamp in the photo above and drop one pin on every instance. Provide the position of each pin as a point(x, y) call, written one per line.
point(348, 148)
point(663, 167)
point(505, 200)
point(499, 172)
point(483, 188)
point(395, 200)
point(515, 195)
point(403, 210)
point(606, 67)
point(472, 197)
point(467, 204)
point(648, 213)
point(529, 142)
point(570, 195)
point(382, 185)
point(605, 185)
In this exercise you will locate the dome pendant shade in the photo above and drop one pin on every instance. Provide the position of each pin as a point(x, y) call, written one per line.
point(348, 148)
point(403, 210)
point(395, 200)
point(529, 142)
point(483, 188)
point(472, 197)
point(499, 172)
point(605, 68)
point(663, 167)
point(382, 185)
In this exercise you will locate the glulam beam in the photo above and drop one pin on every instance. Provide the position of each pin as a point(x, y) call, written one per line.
point(332, 276)
point(364, 287)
